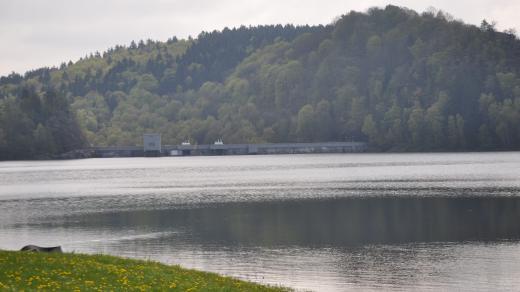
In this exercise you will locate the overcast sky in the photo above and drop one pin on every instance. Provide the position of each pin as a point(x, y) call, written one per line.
point(36, 33)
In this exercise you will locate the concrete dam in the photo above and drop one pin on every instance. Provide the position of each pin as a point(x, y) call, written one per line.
point(227, 149)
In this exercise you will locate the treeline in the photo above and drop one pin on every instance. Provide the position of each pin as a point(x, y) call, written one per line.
point(400, 80)
point(37, 123)
point(392, 77)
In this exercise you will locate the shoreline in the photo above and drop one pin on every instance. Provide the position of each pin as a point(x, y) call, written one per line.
point(70, 271)
point(86, 154)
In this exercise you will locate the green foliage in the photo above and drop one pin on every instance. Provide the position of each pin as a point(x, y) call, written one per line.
point(370, 129)
point(395, 78)
point(306, 123)
point(37, 124)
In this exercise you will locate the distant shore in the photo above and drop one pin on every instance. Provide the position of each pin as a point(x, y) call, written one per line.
point(235, 149)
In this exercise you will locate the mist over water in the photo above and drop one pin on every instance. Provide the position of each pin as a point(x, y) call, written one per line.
point(321, 222)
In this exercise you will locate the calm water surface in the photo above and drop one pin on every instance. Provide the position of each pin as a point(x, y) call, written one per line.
point(319, 222)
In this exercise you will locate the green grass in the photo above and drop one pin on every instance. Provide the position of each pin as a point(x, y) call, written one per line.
point(54, 271)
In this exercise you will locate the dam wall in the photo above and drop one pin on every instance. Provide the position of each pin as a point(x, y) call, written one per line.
point(230, 149)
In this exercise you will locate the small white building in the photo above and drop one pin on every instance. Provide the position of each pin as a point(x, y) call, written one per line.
point(152, 142)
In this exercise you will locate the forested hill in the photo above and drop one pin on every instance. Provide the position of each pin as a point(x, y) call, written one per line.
point(400, 80)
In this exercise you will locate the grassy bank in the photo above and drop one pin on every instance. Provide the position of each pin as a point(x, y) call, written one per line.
point(30, 271)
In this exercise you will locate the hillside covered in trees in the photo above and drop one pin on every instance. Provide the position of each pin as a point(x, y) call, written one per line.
point(400, 80)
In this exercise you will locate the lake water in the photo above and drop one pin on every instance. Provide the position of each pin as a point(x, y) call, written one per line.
point(316, 222)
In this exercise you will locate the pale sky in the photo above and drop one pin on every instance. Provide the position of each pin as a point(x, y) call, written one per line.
point(36, 33)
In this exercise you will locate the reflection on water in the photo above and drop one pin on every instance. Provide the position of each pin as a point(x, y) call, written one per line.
point(321, 222)
point(332, 222)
